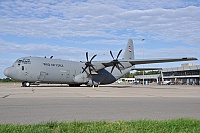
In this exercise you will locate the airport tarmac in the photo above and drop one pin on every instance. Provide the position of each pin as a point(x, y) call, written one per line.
point(49, 102)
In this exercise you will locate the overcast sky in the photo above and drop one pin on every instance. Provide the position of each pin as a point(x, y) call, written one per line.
point(68, 29)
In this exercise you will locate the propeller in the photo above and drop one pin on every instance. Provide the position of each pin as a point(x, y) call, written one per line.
point(115, 62)
point(88, 64)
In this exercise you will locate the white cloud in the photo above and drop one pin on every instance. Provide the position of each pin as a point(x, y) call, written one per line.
point(99, 19)
point(62, 52)
point(176, 51)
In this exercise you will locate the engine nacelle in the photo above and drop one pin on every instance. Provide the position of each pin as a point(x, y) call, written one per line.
point(81, 78)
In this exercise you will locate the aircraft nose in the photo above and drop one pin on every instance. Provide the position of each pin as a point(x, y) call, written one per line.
point(10, 72)
point(6, 72)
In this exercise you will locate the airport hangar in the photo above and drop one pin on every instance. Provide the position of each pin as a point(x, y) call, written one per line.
point(186, 74)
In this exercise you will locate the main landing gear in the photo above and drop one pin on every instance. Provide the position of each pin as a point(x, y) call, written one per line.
point(26, 84)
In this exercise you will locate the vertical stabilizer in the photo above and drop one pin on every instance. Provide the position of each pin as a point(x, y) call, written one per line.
point(129, 51)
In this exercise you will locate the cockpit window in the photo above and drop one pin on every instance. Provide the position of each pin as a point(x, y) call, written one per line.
point(19, 61)
point(22, 61)
point(26, 61)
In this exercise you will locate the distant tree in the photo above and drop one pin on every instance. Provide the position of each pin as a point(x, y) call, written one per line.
point(139, 73)
point(6, 80)
point(153, 72)
point(128, 75)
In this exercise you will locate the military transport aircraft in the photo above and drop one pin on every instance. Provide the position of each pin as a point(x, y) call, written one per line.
point(35, 70)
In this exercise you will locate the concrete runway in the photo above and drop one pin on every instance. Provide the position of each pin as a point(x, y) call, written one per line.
point(112, 102)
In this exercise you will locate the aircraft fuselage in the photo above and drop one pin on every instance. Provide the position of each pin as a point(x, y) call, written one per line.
point(45, 70)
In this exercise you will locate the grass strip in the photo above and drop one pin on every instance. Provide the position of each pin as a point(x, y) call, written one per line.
point(184, 125)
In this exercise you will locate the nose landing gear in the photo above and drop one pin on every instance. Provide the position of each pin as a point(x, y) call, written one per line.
point(26, 84)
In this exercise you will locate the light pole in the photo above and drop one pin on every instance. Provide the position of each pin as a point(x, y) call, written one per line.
point(143, 59)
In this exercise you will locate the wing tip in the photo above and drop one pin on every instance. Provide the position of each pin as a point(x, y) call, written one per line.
point(189, 58)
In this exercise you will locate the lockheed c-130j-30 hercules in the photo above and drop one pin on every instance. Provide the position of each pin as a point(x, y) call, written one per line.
point(32, 70)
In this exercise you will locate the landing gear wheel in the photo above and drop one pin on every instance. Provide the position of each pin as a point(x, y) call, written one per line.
point(26, 84)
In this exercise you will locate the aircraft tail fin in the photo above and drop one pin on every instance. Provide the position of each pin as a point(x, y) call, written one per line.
point(129, 51)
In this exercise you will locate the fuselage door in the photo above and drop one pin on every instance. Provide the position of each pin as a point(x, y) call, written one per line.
point(68, 73)
point(42, 76)
point(24, 71)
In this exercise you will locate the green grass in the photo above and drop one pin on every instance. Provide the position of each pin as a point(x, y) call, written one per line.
point(142, 126)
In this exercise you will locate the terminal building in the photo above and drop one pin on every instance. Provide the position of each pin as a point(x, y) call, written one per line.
point(186, 74)
point(147, 79)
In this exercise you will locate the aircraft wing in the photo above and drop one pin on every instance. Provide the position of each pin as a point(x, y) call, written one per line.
point(147, 61)
point(128, 63)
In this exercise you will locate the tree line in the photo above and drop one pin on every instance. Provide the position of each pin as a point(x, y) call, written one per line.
point(4, 80)
point(132, 75)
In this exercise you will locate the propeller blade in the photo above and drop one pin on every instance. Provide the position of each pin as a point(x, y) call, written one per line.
point(112, 68)
point(121, 64)
point(118, 68)
point(93, 58)
point(87, 56)
point(119, 53)
point(93, 67)
point(90, 72)
point(112, 55)
point(84, 69)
